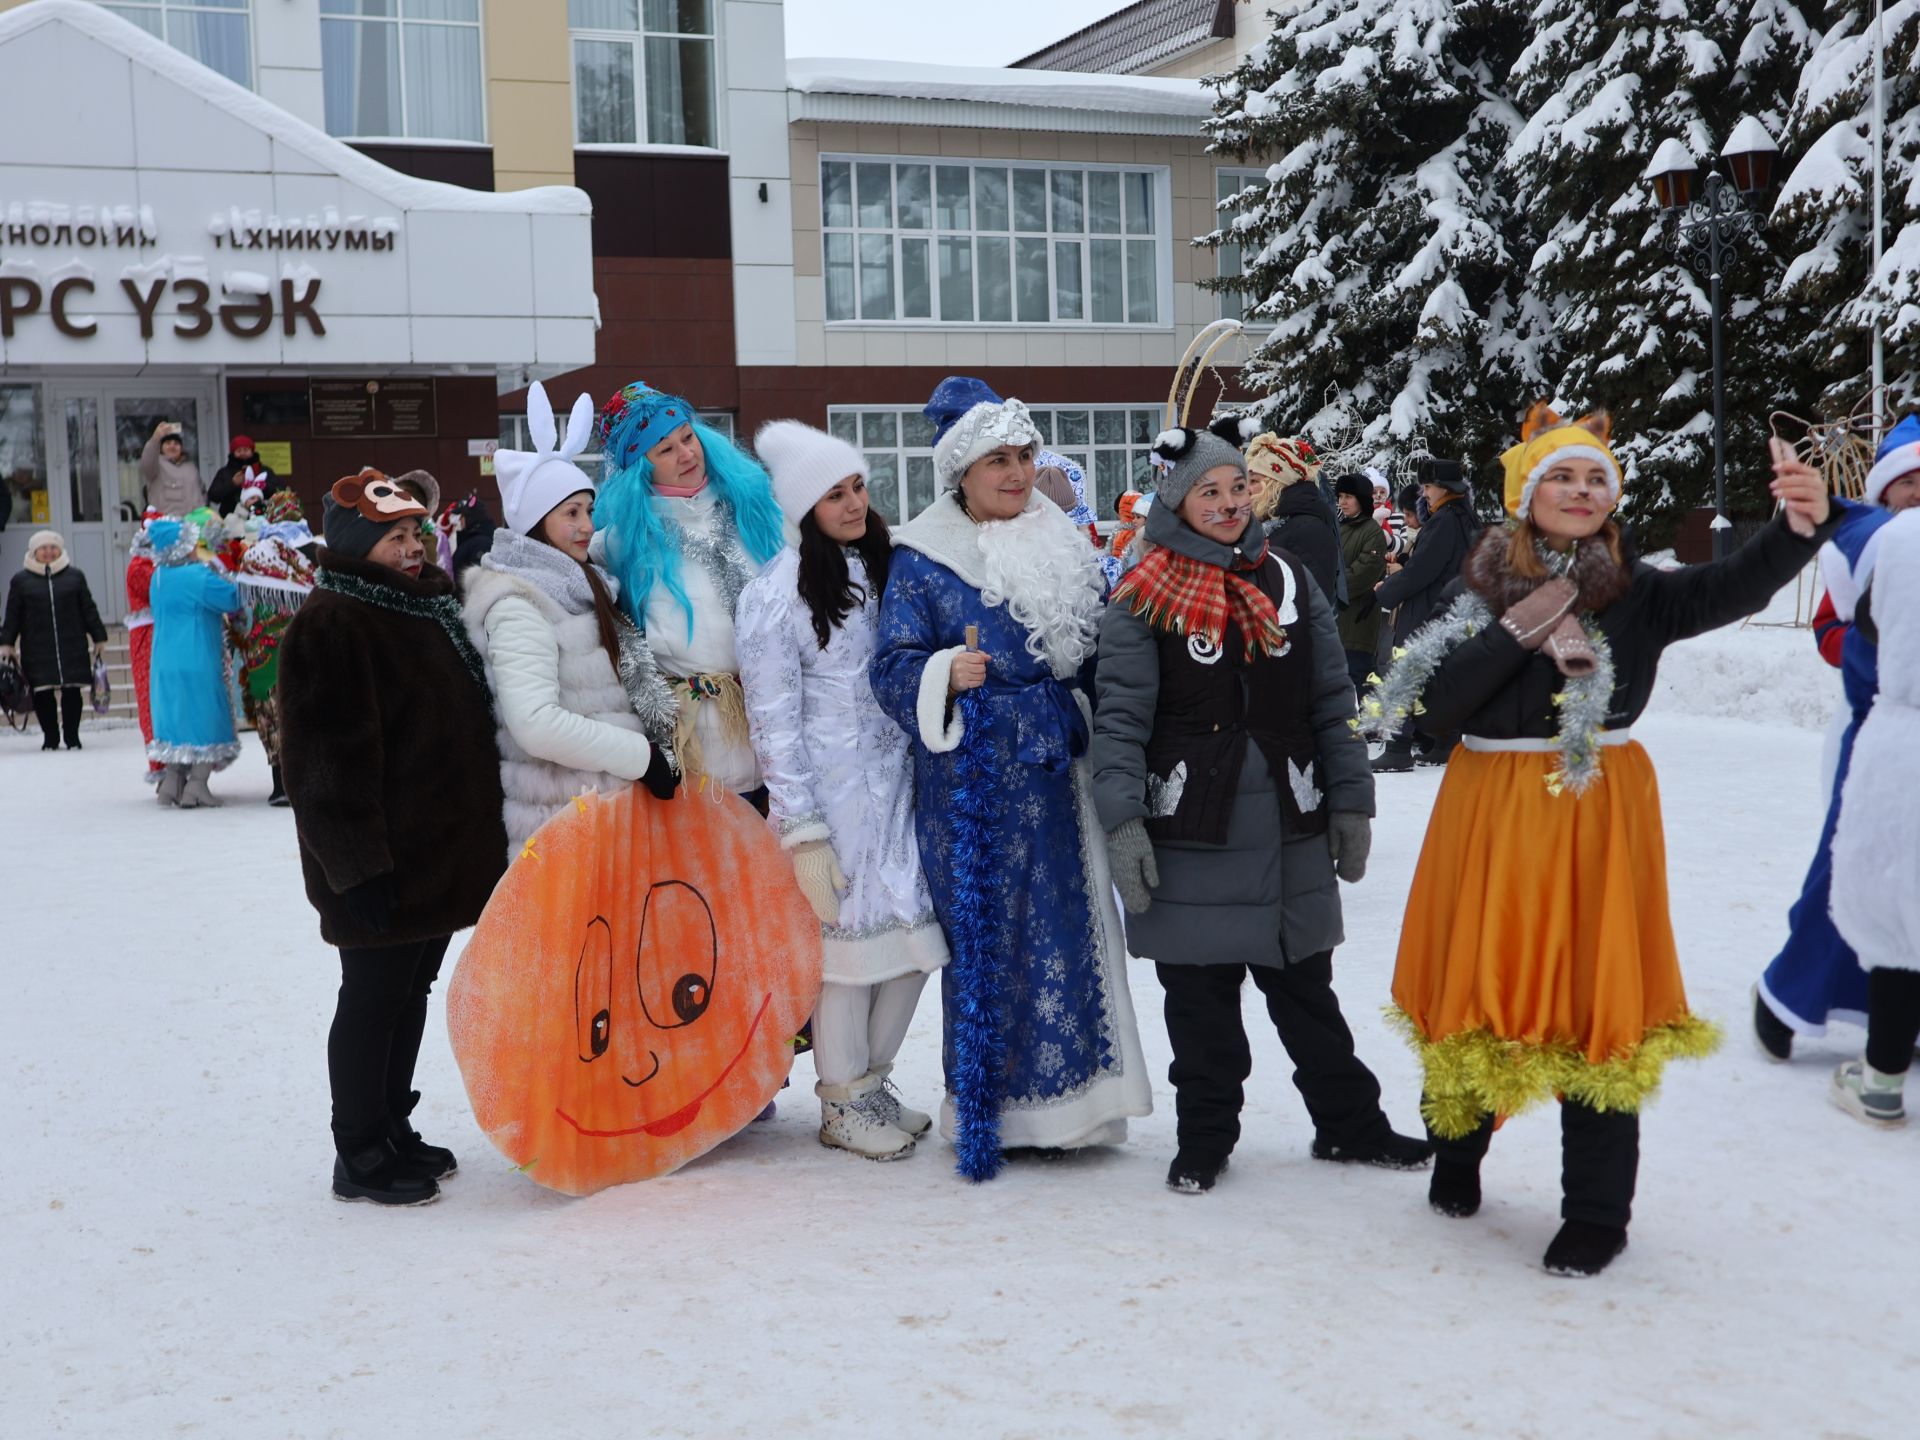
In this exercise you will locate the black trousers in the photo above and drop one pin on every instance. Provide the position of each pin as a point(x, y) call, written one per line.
point(1359, 666)
point(1893, 1019)
point(57, 715)
point(1599, 1161)
point(1211, 1060)
point(375, 1039)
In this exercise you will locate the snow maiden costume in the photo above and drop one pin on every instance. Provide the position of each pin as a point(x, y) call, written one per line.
point(683, 546)
point(1537, 956)
point(1876, 846)
point(274, 576)
point(1816, 976)
point(1040, 1043)
point(193, 733)
point(840, 791)
point(567, 723)
point(1230, 781)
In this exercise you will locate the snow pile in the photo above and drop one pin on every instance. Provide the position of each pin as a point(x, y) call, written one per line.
point(1765, 672)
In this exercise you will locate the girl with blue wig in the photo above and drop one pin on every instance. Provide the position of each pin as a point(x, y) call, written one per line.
point(687, 519)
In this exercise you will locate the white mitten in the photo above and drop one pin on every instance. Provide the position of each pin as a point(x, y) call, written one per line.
point(817, 869)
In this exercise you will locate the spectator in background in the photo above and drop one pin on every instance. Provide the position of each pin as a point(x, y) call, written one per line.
point(1412, 588)
point(1392, 521)
point(1408, 516)
point(243, 470)
point(473, 529)
point(50, 612)
point(172, 480)
point(1283, 471)
point(1363, 553)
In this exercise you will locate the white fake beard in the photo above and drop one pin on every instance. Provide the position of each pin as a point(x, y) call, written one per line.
point(1041, 567)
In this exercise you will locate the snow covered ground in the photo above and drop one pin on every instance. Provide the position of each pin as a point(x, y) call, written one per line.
point(174, 1265)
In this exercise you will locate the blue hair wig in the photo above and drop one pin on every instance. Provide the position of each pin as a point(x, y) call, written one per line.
point(642, 554)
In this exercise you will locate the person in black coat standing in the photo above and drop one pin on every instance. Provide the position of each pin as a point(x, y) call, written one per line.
point(1300, 521)
point(244, 468)
point(50, 613)
point(380, 690)
point(1413, 590)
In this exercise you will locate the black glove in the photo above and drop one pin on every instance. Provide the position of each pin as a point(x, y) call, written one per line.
point(661, 778)
point(368, 906)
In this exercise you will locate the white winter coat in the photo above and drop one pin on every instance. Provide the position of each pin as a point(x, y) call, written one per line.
point(1876, 847)
point(565, 723)
point(837, 768)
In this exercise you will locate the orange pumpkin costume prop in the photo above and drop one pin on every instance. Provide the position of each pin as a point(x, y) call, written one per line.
point(630, 996)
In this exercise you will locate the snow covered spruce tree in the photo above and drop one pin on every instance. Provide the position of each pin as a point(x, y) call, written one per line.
point(1602, 87)
point(1825, 208)
point(1380, 245)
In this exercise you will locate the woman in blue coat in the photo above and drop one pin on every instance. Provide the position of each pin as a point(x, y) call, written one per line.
point(193, 733)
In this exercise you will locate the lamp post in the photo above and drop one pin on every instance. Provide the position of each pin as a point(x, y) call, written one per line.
point(1706, 234)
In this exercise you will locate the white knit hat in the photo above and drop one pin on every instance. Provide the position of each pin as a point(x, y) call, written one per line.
point(981, 431)
point(805, 464)
point(533, 482)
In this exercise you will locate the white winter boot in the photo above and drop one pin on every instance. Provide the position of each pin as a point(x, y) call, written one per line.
point(167, 790)
point(852, 1118)
point(195, 793)
point(899, 1114)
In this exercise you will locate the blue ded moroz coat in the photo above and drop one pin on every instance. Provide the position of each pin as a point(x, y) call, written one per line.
point(1057, 992)
point(192, 709)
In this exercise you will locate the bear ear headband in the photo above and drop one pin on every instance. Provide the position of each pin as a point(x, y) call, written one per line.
point(376, 497)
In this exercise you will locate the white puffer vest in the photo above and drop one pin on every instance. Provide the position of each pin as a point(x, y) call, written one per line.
point(555, 741)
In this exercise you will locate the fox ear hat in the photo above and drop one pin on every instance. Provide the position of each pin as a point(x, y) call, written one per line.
point(1545, 441)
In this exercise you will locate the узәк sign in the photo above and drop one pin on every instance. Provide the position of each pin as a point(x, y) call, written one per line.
point(61, 291)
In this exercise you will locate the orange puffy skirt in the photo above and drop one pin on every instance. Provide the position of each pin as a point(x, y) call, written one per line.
point(1537, 957)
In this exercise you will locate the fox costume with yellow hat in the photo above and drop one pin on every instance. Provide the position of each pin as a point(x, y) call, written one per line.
point(1537, 958)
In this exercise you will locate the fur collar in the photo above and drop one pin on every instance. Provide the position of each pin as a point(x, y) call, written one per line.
point(1600, 580)
point(45, 570)
point(430, 584)
point(945, 533)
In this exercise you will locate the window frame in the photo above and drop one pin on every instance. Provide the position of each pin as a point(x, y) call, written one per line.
point(197, 7)
point(1221, 297)
point(637, 40)
point(1084, 454)
point(1160, 235)
point(478, 25)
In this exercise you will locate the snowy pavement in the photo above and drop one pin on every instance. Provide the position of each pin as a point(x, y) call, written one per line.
point(174, 1265)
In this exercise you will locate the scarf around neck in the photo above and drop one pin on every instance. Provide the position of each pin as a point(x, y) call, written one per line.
point(1197, 597)
point(552, 572)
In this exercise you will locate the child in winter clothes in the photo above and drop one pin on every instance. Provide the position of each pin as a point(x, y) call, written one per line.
point(1876, 846)
point(1537, 956)
point(840, 781)
point(1234, 791)
point(50, 609)
point(379, 688)
point(556, 648)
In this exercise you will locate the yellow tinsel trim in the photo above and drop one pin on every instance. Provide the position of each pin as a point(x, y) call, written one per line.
point(1476, 1073)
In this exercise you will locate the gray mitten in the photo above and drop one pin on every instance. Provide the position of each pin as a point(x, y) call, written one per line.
point(1350, 841)
point(1533, 619)
point(1135, 873)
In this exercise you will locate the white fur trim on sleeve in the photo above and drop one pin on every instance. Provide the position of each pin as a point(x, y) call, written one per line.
point(938, 733)
point(804, 832)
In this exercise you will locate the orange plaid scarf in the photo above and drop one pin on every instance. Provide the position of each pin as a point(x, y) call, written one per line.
point(1174, 592)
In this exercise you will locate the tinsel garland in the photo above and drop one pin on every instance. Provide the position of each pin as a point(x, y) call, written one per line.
point(979, 1032)
point(1582, 703)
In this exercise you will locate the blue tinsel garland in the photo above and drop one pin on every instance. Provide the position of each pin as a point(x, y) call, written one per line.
point(979, 1035)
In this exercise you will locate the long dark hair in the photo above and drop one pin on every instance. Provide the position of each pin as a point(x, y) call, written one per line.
point(603, 611)
point(825, 581)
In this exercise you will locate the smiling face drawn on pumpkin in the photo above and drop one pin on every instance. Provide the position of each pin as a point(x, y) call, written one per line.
point(629, 998)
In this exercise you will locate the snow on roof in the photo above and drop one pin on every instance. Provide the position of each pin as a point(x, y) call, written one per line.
point(335, 156)
point(1040, 89)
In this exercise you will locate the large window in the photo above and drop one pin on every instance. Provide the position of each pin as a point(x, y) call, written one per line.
point(1110, 443)
point(1231, 190)
point(23, 455)
point(643, 72)
point(214, 32)
point(403, 69)
point(956, 244)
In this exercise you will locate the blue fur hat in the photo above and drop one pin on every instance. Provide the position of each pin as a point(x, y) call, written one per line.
point(637, 418)
point(954, 397)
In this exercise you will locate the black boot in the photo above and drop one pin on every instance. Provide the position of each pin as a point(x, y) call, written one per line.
point(1772, 1034)
point(1390, 1151)
point(372, 1171)
point(1455, 1188)
point(1582, 1249)
point(1194, 1174)
point(1392, 761)
point(279, 795)
point(434, 1161)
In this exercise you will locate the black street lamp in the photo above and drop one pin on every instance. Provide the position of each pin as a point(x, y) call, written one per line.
point(1705, 234)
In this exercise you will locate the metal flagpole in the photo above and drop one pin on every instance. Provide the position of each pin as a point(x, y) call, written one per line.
point(1879, 126)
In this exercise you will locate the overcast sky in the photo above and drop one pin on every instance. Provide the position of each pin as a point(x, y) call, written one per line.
point(941, 32)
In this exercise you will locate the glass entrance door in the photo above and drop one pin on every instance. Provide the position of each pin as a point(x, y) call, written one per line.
point(99, 430)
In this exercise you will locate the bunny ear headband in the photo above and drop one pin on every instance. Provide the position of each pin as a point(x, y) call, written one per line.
point(533, 482)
